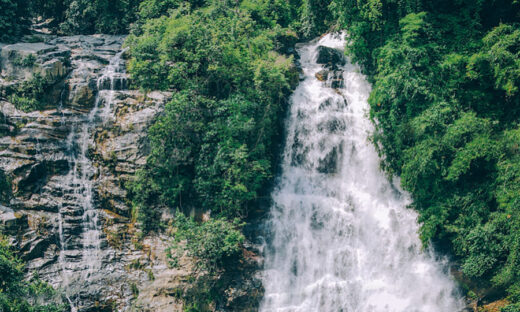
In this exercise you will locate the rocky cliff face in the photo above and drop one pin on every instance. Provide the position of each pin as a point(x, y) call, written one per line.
point(67, 163)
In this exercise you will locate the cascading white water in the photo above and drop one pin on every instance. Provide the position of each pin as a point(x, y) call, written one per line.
point(83, 170)
point(79, 181)
point(342, 237)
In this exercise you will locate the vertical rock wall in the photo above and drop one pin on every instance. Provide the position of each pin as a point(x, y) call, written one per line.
point(36, 149)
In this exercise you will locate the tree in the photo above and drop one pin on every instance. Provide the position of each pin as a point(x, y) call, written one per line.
point(13, 19)
point(18, 295)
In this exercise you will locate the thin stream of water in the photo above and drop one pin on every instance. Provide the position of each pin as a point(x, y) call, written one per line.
point(79, 181)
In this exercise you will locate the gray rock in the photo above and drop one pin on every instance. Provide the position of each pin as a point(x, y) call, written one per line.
point(11, 222)
point(21, 61)
point(329, 164)
point(46, 217)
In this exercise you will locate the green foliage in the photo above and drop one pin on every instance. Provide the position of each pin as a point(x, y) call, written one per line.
point(446, 102)
point(216, 244)
point(69, 17)
point(370, 23)
point(216, 247)
point(31, 94)
point(50, 9)
point(134, 289)
point(17, 295)
point(149, 9)
point(207, 50)
point(27, 61)
point(215, 145)
point(315, 17)
point(511, 308)
point(98, 16)
point(306, 17)
point(13, 19)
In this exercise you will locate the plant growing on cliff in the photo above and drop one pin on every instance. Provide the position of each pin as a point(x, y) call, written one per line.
point(5, 187)
point(16, 294)
point(27, 61)
point(216, 244)
point(215, 145)
point(31, 94)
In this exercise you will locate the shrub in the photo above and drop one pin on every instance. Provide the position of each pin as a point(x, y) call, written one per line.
point(13, 19)
point(215, 244)
point(30, 94)
point(16, 294)
point(216, 143)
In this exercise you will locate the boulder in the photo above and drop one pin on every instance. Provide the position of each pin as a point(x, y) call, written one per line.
point(11, 222)
point(330, 57)
point(322, 75)
point(329, 163)
point(82, 95)
point(337, 81)
point(334, 78)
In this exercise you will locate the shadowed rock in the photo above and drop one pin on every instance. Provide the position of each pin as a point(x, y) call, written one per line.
point(330, 57)
point(329, 164)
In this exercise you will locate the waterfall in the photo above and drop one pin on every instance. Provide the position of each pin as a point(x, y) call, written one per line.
point(341, 237)
point(78, 184)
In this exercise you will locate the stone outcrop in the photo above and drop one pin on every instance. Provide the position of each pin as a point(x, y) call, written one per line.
point(44, 217)
point(21, 61)
point(69, 66)
point(331, 57)
point(332, 60)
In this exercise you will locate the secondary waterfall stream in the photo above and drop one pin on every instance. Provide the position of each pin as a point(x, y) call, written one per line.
point(342, 237)
point(79, 182)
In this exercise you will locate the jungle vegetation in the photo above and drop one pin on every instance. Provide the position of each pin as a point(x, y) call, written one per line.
point(445, 101)
point(446, 104)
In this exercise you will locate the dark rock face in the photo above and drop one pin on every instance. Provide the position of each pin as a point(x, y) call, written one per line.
point(329, 164)
point(331, 57)
point(332, 60)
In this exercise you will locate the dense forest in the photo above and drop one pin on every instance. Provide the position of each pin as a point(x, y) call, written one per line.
point(445, 102)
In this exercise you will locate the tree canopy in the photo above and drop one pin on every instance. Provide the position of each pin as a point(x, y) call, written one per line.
point(446, 105)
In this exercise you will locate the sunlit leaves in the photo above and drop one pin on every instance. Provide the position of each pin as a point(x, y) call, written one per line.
point(500, 59)
point(214, 146)
point(446, 105)
point(214, 244)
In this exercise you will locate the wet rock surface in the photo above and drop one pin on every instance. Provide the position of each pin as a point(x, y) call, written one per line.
point(333, 60)
point(330, 57)
point(45, 217)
